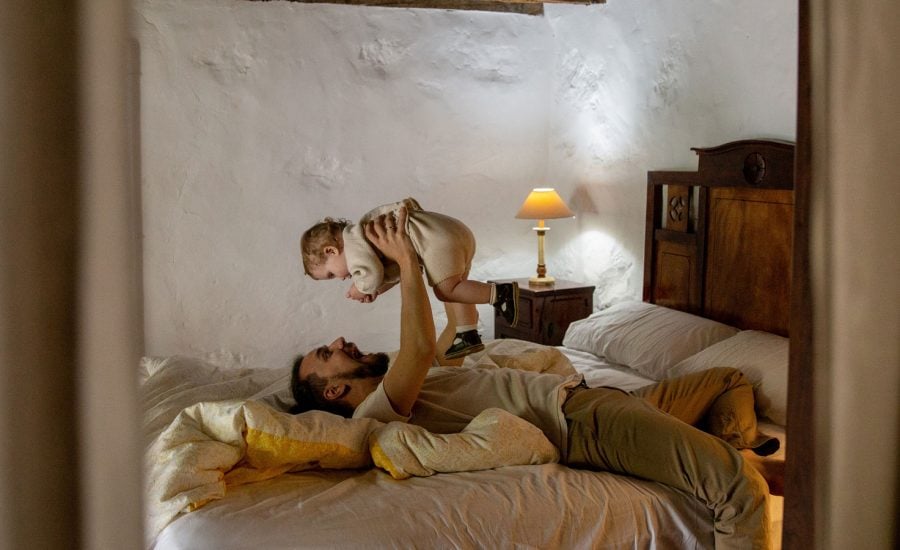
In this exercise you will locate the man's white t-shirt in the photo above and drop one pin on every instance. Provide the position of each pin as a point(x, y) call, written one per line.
point(452, 396)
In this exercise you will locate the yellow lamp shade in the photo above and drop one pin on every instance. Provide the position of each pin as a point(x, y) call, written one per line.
point(544, 203)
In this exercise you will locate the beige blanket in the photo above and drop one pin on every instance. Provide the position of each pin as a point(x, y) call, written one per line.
point(210, 446)
point(518, 354)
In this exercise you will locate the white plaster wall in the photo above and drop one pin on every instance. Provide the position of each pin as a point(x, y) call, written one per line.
point(259, 118)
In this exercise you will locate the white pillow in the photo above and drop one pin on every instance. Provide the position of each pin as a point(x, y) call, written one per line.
point(169, 384)
point(648, 338)
point(762, 356)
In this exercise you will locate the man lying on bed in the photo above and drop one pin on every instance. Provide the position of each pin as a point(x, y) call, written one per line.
point(596, 428)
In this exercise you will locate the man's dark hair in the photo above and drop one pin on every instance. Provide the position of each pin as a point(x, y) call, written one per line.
point(310, 393)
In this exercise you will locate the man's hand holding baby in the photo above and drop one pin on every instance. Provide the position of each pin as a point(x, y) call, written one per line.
point(389, 236)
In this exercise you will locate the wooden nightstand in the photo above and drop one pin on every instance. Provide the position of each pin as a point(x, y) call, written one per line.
point(545, 312)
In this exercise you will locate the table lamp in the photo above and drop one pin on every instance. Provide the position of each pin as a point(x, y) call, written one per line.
point(543, 203)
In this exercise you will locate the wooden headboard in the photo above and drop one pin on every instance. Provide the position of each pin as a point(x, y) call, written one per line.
point(718, 240)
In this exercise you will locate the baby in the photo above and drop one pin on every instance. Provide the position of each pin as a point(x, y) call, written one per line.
point(338, 249)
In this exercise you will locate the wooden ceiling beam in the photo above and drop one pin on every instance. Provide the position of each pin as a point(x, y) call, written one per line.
point(526, 7)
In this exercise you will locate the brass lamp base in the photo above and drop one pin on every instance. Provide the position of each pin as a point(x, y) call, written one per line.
point(541, 281)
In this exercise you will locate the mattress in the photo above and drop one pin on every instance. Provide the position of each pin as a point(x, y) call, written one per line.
point(548, 506)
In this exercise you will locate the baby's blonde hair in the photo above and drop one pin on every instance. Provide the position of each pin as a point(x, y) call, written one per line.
point(314, 240)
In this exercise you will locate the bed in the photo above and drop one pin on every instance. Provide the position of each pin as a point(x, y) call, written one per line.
point(716, 293)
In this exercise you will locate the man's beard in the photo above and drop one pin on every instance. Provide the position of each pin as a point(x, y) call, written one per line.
point(376, 366)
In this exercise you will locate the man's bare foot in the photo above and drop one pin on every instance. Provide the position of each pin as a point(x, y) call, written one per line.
point(772, 470)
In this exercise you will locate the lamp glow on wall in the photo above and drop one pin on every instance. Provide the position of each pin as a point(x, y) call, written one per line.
point(543, 203)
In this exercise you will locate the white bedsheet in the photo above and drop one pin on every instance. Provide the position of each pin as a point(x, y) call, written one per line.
point(546, 506)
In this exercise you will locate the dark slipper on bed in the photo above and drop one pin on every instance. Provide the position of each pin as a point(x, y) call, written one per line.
point(765, 445)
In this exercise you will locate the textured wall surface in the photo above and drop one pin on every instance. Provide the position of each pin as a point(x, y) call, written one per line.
point(260, 118)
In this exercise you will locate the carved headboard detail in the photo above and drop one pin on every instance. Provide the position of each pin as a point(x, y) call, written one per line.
point(719, 240)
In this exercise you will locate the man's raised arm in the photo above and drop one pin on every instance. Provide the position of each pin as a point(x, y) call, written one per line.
point(417, 336)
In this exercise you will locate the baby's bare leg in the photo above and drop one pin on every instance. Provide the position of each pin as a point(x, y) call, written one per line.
point(446, 337)
point(463, 291)
point(460, 296)
point(464, 314)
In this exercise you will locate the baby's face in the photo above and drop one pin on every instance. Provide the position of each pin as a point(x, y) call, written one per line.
point(334, 267)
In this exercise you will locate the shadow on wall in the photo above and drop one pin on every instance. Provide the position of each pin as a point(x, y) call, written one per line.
point(593, 253)
point(582, 202)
